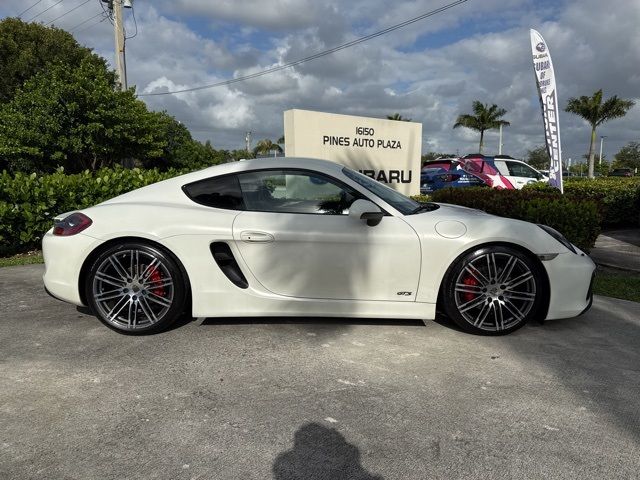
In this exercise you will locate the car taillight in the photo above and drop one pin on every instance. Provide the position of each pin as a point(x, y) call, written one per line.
point(71, 224)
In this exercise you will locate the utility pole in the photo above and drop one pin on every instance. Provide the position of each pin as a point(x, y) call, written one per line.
point(602, 137)
point(500, 144)
point(118, 31)
point(115, 11)
point(247, 139)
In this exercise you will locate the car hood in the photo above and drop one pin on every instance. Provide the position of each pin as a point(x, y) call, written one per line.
point(470, 227)
point(450, 209)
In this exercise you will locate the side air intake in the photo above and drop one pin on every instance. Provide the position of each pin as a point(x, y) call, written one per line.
point(227, 263)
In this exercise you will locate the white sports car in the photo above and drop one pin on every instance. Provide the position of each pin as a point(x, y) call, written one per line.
point(303, 237)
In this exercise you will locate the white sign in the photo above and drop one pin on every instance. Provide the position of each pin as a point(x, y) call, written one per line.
point(546, 83)
point(386, 150)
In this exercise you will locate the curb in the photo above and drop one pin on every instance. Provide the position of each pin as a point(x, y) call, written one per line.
point(617, 267)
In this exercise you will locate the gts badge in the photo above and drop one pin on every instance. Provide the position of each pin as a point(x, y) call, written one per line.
point(404, 294)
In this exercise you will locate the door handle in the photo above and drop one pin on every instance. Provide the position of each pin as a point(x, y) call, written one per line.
point(256, 237)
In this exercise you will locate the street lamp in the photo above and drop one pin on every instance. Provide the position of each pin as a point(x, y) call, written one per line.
point(602, 137)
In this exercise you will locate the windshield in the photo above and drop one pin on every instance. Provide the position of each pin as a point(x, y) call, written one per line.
point(403, 204)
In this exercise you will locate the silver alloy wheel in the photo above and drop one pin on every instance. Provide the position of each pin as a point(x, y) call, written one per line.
point(133, 289)
point(495, 291)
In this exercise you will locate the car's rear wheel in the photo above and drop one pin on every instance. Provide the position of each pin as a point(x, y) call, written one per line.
point(135, 288)
point(493, 290)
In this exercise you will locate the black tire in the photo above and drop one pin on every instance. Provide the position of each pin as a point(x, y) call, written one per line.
point(135, 288)
point(493, 290)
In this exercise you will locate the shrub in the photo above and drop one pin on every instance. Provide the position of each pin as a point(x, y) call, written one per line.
point(28, 203)
point(578, 220)
point(617, 198)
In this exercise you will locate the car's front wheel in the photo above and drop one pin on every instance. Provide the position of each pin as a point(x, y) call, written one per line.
point(135, 288)
point(493, 290)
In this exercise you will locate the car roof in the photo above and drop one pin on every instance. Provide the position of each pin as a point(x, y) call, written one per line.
point(479, 156)
point(262, 163)
point(170, 190)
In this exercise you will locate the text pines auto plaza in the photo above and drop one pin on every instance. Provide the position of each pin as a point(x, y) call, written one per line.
point(388, 151)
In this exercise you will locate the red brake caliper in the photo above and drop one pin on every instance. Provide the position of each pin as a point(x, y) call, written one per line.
point(471, 281)
point(156, 277)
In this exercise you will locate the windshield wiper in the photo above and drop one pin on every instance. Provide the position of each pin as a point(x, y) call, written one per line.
point(424, 207)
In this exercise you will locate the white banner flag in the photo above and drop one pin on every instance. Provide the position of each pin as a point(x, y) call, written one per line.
point(546, 82)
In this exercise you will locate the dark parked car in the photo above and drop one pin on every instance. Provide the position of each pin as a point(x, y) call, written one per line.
point(446, 172)
point(621, 172)
point(499, 171)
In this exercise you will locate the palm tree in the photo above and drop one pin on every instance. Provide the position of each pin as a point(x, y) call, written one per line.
point(398, 117)
point(596, 112)
point(485, 118)
point(266, 146)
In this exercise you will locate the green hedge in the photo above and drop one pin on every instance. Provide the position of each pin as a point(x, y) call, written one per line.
point(578, 220)
point(28, 203)
point(619, 198)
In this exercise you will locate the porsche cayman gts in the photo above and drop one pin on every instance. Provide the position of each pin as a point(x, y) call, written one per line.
point(305, 237)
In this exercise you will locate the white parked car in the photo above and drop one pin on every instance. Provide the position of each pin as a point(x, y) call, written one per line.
point(303, 237)
point(518, 172)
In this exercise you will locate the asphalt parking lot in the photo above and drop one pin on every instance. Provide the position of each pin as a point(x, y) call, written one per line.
point(313, 398)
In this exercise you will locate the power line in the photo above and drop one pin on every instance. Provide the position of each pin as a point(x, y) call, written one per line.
point(106, 12)
point(85, 21)
point(67, 13)
point(314, 56)
point(45, 10)
point(92, 24)
point(25, 11)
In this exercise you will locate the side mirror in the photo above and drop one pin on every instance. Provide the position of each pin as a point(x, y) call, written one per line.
point(366, 210)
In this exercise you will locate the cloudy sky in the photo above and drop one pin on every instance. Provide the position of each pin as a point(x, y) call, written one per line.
point(429, 71)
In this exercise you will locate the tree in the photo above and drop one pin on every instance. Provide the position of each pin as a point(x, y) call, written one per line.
point(538, 158)
point(629, 156)
point(599, 167)
point(433, 155)
point(485, 118)
point(29, 48)
point(398, 117)
point(76, 119)
point(266, 146)
point(179, 149)
point(595, 112)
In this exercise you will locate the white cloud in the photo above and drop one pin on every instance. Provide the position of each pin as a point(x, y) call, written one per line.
point(430, 71)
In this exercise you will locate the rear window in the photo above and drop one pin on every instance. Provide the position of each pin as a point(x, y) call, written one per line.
point(219, 192)
point(443, 165)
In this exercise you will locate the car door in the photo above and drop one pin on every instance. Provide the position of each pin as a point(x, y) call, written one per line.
point(518, 173)
point(296, 238)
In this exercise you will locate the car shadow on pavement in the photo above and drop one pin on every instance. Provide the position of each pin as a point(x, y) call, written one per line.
point(319, 330)
point(320, 453)
point(312, 321)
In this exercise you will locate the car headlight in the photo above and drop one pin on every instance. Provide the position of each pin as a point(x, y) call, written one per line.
point(558, 236)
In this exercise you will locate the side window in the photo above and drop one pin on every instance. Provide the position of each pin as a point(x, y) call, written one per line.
point(518, 169)
point(219, 192)
point(501, 166)
point(288, 191)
